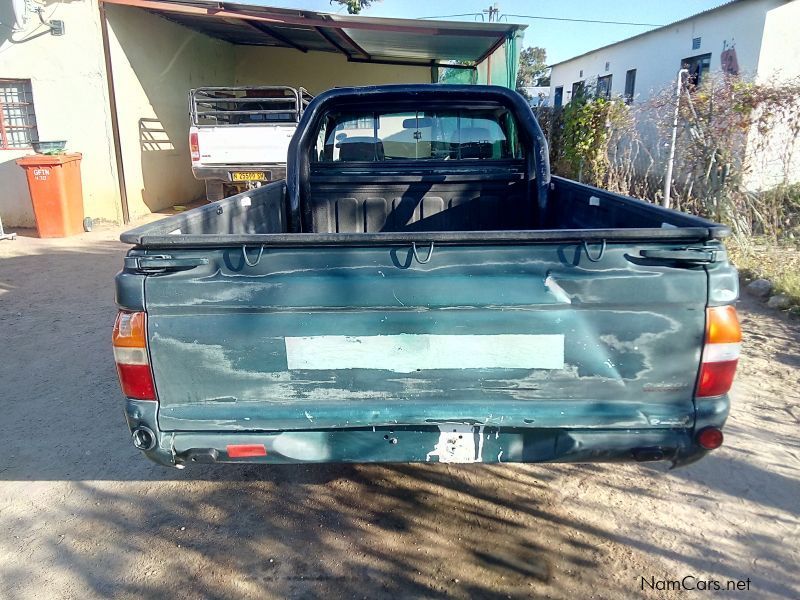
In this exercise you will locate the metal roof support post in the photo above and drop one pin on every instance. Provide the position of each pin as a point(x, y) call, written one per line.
point(112, 100)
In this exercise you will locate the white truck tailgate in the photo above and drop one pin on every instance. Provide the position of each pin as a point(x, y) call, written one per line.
point(246, 144)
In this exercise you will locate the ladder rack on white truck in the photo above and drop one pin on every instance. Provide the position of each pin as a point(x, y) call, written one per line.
point(239, 136)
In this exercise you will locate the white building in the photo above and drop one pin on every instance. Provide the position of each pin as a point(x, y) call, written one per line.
point(756, 38)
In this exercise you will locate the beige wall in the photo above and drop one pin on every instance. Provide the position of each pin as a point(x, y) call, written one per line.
point(152, 82)
point(316, 71)
point(70, 99)
point(155, 64)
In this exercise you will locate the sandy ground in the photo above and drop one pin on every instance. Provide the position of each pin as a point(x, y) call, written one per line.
point(82, 515)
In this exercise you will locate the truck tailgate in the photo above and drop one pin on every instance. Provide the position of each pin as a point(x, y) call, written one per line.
point(244, 144)
point(504, 335)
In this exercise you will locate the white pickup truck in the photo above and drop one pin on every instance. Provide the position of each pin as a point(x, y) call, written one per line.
point(239, 136)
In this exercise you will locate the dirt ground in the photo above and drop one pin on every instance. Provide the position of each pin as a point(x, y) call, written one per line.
point(83, 515)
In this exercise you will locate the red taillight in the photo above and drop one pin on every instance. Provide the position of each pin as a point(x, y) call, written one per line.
point(710, 438)
point(721, 351)
point(136, 381)
point(716, 378)
point(194, 146)
point(246, 450)
point(130, 354)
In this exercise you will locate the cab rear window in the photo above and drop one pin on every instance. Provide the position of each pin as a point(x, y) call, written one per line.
point(488, 134)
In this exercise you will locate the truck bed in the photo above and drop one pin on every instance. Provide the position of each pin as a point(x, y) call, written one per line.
point(579, 212)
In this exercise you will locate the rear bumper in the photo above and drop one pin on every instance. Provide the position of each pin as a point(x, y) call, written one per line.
point(449, 443)
point(272, 172)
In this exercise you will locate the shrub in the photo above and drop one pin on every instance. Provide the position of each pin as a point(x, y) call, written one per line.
point(736, 153)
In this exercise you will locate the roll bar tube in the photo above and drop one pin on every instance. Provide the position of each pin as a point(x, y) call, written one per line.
point(298, 169)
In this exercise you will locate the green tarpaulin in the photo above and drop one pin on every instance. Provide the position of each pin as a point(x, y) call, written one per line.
point(499, 68)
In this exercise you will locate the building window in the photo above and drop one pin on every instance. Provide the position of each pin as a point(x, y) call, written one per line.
point(581, 73)
point(630, 85)
point(17, 118)
point(558, 97)
point(608, 66)
point(578, 89)
point(697, 66)
point(604, 87)
point(696, 43)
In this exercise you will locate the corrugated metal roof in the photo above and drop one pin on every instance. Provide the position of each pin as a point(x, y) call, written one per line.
point(639, 35)
point(360, 39)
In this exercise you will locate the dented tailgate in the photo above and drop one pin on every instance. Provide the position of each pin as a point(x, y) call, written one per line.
point(529, 336)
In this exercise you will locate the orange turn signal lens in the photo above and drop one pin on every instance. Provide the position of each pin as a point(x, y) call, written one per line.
point(130, 330)
point(723, 325)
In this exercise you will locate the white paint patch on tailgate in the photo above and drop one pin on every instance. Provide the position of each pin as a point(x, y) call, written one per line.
point(457, 444)
point(406, 353)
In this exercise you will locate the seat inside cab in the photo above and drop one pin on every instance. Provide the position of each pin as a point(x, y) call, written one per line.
point(447, 170)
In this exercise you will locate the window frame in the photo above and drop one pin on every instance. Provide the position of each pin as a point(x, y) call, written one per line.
point(630, 85)
point(558, 94)
point(30, 128)
point(609, 79)
point(506, 123)
point(703, 61)
point(578, 89)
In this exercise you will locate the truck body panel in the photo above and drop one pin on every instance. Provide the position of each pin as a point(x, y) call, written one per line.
point(243, 147)
point(302, 335)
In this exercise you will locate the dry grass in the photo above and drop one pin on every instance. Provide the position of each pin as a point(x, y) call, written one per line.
point(780, 263)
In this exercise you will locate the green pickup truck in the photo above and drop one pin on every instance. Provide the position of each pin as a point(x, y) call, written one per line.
point(420, 288)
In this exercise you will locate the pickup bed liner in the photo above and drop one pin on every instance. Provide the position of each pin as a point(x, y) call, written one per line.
point(258, 217)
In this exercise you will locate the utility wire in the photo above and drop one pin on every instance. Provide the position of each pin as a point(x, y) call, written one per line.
point(584, 20)
point(552, 19)
point(449, 16)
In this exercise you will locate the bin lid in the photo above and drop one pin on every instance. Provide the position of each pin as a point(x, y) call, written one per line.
point(48, 159)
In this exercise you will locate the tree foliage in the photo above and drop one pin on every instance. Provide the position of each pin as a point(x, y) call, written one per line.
point(533, 70)
point(590, 126)
point(354, 6)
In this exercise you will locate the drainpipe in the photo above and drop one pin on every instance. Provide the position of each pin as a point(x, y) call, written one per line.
point(671, 161)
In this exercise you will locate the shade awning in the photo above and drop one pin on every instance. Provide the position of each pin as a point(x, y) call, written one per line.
point(360, 39)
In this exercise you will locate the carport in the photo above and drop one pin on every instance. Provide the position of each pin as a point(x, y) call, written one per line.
point(156, 51)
